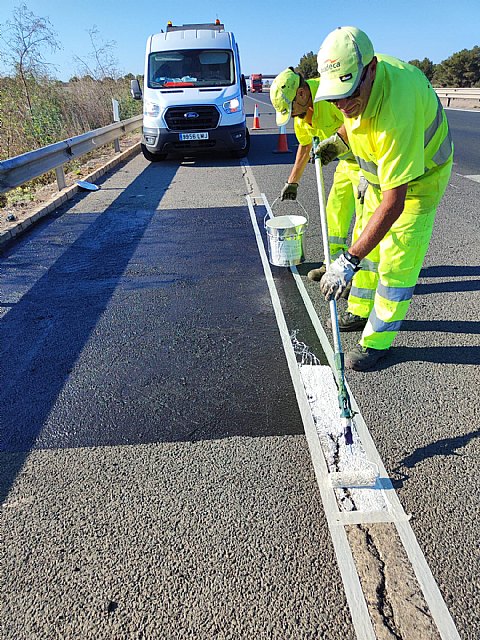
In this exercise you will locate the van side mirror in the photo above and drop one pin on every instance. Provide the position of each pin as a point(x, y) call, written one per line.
point(135, 89)
point(243, 84)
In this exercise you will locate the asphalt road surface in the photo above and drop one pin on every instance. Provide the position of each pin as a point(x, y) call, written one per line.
point(156, 480)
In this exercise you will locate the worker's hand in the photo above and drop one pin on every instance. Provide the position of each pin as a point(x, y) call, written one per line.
point(336, 278)
point(289, 191)
point(329, 149)
point(362, 188)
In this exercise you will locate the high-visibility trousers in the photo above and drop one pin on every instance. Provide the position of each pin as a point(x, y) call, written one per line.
point(382, 290)
point(342, 203)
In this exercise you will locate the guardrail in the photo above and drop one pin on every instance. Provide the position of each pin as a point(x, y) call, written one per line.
point(454, 93)
point(20, 169)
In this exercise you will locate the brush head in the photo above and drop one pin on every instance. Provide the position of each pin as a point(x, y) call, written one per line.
point(351, 478)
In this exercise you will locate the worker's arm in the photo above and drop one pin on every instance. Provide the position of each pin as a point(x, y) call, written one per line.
point(342, 270)
point(301, 160)
point(289, 191)
point(389, 210)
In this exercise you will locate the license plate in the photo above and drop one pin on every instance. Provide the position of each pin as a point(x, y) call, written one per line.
point(194, 136)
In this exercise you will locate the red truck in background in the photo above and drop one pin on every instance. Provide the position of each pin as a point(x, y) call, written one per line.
point(256, 83)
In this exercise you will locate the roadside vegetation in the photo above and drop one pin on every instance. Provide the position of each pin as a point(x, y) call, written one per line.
point(36, 109)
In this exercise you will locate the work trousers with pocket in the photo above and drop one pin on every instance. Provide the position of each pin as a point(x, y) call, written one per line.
point(342, 203)
point(382, 290)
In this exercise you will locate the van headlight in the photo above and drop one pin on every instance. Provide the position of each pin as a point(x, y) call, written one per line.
point(151, 109)
point(232, 106)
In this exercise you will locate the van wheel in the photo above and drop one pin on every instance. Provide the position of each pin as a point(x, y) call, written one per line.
point(242, 153)
point(152, 157)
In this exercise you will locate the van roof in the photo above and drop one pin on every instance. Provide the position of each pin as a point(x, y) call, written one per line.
point(216, 26)
point(191, 39)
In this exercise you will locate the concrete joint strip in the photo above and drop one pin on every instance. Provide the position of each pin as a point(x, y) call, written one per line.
point(66, 194)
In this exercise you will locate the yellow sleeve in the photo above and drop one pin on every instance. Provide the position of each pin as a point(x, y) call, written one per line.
point(303, 132)
point(326, 119)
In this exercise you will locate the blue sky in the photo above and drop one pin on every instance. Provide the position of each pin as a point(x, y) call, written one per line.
point(271, 36)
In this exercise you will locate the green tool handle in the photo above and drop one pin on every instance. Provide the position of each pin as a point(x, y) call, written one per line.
point(343, 397)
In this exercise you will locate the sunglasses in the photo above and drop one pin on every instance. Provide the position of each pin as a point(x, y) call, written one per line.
point(357, 91)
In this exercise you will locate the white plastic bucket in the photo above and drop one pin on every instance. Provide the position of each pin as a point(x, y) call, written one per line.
point(285, 239)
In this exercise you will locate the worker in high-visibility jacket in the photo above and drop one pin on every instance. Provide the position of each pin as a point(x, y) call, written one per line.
point(293, 96)
point(398, 131)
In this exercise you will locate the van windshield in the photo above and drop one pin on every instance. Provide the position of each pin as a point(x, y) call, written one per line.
point(191, 68)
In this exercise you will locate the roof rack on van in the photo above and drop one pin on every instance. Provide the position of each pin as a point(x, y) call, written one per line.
point(215, 26)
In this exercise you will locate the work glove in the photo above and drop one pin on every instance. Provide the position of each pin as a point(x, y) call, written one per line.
point(289, 191)
point(329, 149)
point(337, 277)
point(361, 189)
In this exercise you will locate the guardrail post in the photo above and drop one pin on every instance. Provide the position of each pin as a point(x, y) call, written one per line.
point(60, 178)
point(116, 118)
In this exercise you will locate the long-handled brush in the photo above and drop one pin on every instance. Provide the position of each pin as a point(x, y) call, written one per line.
point(365, 476)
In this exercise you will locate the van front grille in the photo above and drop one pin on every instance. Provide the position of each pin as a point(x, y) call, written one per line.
point(182, 118)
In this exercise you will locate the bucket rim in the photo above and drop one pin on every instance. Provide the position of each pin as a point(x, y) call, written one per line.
point(280, 222)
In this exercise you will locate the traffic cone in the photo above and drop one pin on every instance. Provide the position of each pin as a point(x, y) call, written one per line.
point(282, 146)
point(256, 119)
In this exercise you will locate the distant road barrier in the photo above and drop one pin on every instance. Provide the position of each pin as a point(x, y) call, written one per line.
point(452, 93)
point(20, 169)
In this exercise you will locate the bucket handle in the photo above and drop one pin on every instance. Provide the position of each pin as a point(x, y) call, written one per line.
point(299, 204)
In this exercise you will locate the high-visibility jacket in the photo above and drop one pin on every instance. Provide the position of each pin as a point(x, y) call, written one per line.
point(402, 136)
point(342, 201)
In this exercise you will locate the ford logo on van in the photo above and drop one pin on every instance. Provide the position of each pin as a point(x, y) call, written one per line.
point(191, 114)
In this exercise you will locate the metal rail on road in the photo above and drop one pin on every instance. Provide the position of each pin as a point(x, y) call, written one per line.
point(20, 169)
point(452, 93)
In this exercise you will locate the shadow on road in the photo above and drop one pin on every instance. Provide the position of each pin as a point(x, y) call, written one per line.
point(72, 264)
point(450, 271)
point(439, 355)
point(448, 286)
point(139, 326)
point(442, 326)
point(445, 447)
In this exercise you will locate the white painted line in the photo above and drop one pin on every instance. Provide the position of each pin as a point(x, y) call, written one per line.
point(366, 517)
point(394, 506)
point(431, 592)
point(252, 186)
point(353, 590)
point(322, 393)
point(474, 178)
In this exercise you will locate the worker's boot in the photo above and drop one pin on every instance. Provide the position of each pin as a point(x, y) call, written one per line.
point(317, 274)
point(349, 322)
point(363, 358)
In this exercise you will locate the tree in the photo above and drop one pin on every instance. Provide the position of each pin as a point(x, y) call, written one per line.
point(425, 65)
point(308, 66)
point(29, 108)
point(103, 63)
point(26, 38)
point(462, 69)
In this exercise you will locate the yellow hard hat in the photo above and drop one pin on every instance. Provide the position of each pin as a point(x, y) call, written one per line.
point(342, 57)
point(282, 94)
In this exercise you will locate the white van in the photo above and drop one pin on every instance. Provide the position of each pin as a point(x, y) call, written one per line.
point(193, 96)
